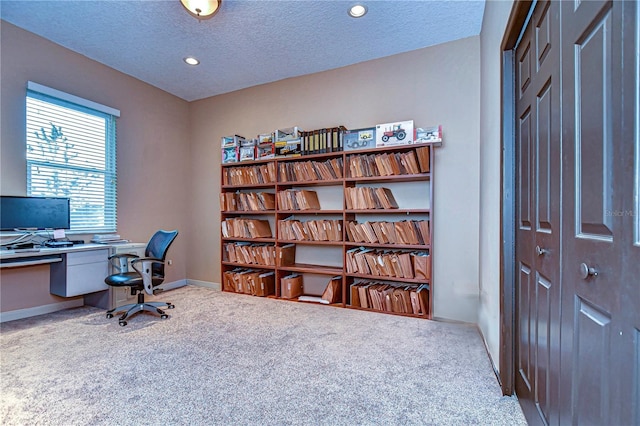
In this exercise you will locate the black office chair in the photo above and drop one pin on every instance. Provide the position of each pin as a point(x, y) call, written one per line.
point(147, 275)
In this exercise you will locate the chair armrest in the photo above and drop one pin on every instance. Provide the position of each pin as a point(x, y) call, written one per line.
point(145, 271)
point(121, 261)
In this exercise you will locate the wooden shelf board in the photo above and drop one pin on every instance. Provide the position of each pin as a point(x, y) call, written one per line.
point(407, 147)
point(312, 242)
point(385, 211)
point(385, 278)
point(246, 163)
point(321, 156)
point(248, 265)
point(391, 246)
point(316, 269)
point(250, 186)
point(391, 178)
point(329, 182)
point(290, 212)
point(247, 212)
point(251, 240)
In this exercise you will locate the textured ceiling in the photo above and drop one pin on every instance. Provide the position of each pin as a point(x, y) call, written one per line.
point(249, 42)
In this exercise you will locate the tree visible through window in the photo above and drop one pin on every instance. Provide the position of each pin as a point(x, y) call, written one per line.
point(71, 153)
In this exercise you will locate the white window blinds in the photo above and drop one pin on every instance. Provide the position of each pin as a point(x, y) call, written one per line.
point(71, 152)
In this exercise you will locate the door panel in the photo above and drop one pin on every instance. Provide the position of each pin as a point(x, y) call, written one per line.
point(538, 157)
point(577, 154)
point(524, 177)
point(592, 235)
point(628, 331)
point(544, 149)
point(525, 332)
point(591, 361)
point(593, 137)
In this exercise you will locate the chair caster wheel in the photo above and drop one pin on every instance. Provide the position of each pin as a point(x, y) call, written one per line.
point(164, 316)
point(122, 323)
point(170, 306)
point(109, 315)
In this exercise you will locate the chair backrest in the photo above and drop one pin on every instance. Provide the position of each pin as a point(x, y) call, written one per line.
point(158, 246)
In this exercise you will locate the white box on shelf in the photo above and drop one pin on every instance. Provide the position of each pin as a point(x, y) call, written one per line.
point(395, 133)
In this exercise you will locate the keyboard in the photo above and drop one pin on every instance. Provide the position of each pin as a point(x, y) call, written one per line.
point(58, 244)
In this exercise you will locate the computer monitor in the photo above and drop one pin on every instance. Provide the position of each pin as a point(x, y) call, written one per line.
point(34, 213)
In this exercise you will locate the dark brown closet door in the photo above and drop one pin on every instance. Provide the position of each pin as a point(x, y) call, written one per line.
point(538, 164)
point(594, 188)
point(628, 338)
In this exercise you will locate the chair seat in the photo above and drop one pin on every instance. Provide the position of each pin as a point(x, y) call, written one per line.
point(130, 279)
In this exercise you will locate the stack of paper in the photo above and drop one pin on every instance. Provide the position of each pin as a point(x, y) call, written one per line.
point(108, 239)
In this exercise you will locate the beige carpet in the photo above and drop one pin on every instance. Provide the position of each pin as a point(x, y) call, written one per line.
point(232, 359)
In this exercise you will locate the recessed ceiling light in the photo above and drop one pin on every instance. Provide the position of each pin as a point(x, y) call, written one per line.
point(191, 60)
point(357, 11)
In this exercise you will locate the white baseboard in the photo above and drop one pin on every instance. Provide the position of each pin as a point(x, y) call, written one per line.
point(207, 284)
point(75, 303)
point(40, 310)
point(174, 284)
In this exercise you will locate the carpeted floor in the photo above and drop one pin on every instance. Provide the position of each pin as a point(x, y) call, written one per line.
point(232, 359)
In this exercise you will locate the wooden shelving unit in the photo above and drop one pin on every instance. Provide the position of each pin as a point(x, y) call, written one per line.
point(417, 206)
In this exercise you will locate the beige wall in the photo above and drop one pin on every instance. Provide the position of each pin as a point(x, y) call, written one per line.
point(496, 14)
point(435, 85)
point(169, 156)
point(153, 136)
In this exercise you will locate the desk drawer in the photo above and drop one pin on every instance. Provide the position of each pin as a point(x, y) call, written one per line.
point(89, 256)
point(80, 273)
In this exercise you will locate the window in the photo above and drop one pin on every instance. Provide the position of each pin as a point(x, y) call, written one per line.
point(71, 152)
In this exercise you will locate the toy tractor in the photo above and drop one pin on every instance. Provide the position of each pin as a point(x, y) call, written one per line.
point(397, 132)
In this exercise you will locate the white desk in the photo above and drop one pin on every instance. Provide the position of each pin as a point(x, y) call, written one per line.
point(74, 271)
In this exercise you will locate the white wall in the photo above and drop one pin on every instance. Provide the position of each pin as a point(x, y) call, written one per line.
point(496, 14)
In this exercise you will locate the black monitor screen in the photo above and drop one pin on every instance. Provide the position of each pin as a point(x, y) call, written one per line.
point(33, 213)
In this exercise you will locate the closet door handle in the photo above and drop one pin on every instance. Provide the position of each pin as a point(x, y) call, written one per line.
point(540, 251)
point(586, 271)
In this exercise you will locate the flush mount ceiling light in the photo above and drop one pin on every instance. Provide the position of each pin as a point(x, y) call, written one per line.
point(191, 60)
point(201, 9)
point(357, 11)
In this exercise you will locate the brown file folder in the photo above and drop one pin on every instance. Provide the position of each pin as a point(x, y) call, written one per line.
point(332, 293)
point(355, 297)
point(291, 286)
point(286, 255)
point(264, 284)
point(421, 265)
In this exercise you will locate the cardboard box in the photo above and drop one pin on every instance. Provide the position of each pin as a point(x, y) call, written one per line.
point(394, 134)
point(230, 154)
point(265, 150)
point(359, 139)
point(428, 134)
point(247, 151)
point(231, 148)
point(289, 148)
point(287, 134)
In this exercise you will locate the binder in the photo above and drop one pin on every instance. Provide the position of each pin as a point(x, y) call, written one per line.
point(291, 286)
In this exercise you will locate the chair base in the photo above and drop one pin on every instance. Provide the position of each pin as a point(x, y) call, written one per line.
point(134, 308)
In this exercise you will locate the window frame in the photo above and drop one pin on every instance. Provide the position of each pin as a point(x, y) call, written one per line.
point(80, 217)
